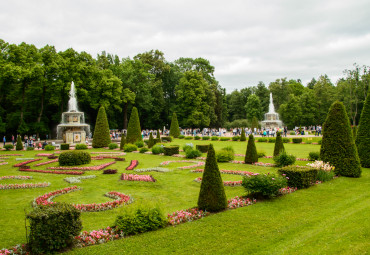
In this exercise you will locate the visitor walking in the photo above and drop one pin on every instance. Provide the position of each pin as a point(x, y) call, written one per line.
point(4, 140)
point(13, 140)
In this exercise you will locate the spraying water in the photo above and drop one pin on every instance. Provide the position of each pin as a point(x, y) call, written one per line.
point(271, 105)
point(72, 103)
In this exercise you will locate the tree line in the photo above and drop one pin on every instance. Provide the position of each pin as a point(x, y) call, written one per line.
point(35, 82)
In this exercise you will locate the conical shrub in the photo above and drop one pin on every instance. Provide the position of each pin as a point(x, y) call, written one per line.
point(174, 129)
point(123, 142)
point(251, 155)
point(19, 145)
point(101, 132)
point(212, 196)
point(158, 134)
point(134, 129)
point(151, 141)
point(338, 146)
point(279, 146)
point(363, 134)
point(242, 136)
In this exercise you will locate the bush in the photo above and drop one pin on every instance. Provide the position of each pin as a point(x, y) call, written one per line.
point(362, 135)
point(19, 145)
point(49, 147)
point(243, 138)
point(81, 146)
point(139, 144)
point(74, 158)
point(261, 154)
point(133, 128)
point(167, 138)
point(174, 128)
point(157, 149)
point(314, 155)
point(129, 147)
point(110, 171)
point(229, 148)
point(171, 150)
point(157, 140)
point(319, 142)
point(262, 140)
point(308, 141)
point(283, 159)
point(191, 153)
point(197, 137)
point(299, 177)
point(205, 138)
point(286, 140)
point(53, 228)
point(188, 146)
point(338, 147)
point(271, 140)
point(251, 153)
point(235, 138)
point(140, 221)
point(291, 133)
point(267, 185)
point(212, 196)
point(325, 176)
point(101, 132)
point(8, 147)
point(64, 146)
point(224, 156)
point(215, 138)
point(181, 136)
point(279, 146)
point(113, 146)
point(224, 138)
point(188, 138)
point(202, 147)
point(122, 142)
point(143, 150)
point(297, 140)
point(30, 148)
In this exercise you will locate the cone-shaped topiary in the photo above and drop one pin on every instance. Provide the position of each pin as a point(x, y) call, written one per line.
point(363, 134)
point(123, 142)
point(251, 155)
point(242, 136)
point(212, 196)
point(151, 141)
point(19, 145)
point(134, 129)
point(174, 129)
point(158, 134)
point(338, 146)
point(279, 146)
point(101, 132)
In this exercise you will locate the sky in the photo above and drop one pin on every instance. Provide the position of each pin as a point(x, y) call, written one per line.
point(247, 41)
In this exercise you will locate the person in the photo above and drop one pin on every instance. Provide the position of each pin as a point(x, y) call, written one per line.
point(13, 140)
point(4, 140)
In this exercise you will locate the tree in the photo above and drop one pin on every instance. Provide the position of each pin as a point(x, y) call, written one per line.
point(242, 136)
point(338, 146)
point(291, 112)
point(363, 135)
point(279, 146)
point(253, 108)
point(174, 129)
point(280, 91)
point(151, 141)
point(324, 97)
point(212, 195)
point(254, 123)
point(134, 129)
point(101, 132)
point(251, 155)
point(19, 145)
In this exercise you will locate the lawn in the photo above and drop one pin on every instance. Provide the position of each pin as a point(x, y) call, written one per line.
point(328, 218)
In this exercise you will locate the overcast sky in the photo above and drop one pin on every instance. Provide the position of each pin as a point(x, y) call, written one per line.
point(246, 41)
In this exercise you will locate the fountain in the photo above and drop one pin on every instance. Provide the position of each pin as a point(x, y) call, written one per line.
point(73, 128)
point(271, 118)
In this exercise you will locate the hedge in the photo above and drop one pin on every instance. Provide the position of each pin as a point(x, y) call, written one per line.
point(297, 140)
point(64, 146)
point(299, 177)
point(202, 147)
point(74, 158)
point(171, 150)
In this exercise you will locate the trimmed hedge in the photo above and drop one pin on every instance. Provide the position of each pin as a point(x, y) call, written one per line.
point(133, 128)
point(251, 155)
point(170, 150)
point(215, 138)
point(181, 137)
point(112, 146)
point(224, 138)
point(299, 177)
point(166, 138)
point(129, 147)
point(206, 138)
point(64, 146)
point(101, 132)
point(9, 147)
point(19, 145)
point(81, 146)
point(188, 138)
point(297, 140)
point(53, 227)
point(49, 147)
point(202, 147)
point(74, 158)
point(235, 138)
point(286, 140)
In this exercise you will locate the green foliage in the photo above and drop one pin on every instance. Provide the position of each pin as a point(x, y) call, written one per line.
point(81, 146)
point(261, 154)
point(325, 176)
point(283, 159)
point(141, 220)
point(19, 145)
point(224, 156)
point(235, 138)
point(262, 139)
point(253, 107)
point(129, 147)
point(188, 146)
point(181, 137)
point(254, 123)
point(191, 153)
point(224, 138)
point(215, 138)
point(202, 147)
point(292, 133)
point(363, 134)
point(338, 147)
point(297, 140)
point(143, 150)
point(139, 144)
point(286, 140)
point(123, 142)
point(279, 146)
point(74, 158)
point(205, 138)
point(158, 135)
point(212, 195)
point(8, 147)
point(171, 150)
point(271, 140)
point(166, 138)
point(49, 147)
point(30, 148)
point(52, 228)
point(197, 137)
point(174, 129)
point(101, 132)
point(112, 146)
point(299, 177)
point(314, 155)
point(243, 138)
point(133, 128)
point(157, 149)
point(251, 155)
point(267, 185)
point(64, 146)
point(188, 138)
point(151, 141)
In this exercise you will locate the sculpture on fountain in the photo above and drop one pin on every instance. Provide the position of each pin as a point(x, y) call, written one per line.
point(73, 128)
point(271, 117)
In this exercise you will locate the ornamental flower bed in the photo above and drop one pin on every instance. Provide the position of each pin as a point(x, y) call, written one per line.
point(19, 249)
point(299, 159)
point(237, 202)
point(226, 183)
point(47, 162)
point(52, 172)
point(78, 179)
point(239, 155)
point(223, 171)
point(263, 164)
point(20, 155)
point(182, 216)
point(153, 169)
point(3, 163)
point(287, 190)
point(18, 177)
point(179, 156)
point(165, 163)
point(132, 165)
point(137, 177)
point(86, 168)
point(237, 162)
point(97, 236)
point(321, 165)
point(27, 162)
point(112, 153)
point(44, 154)
point(25, 185)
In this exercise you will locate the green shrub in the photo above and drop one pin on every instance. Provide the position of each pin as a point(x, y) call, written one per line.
point(283, 159)
point(188, 146)
point(261, 154)
point(174, 128)
point(129, 147)
point(228, 148)
point(81, 146)
point(143, 150)
point(123, 142)
point(235, 138)
point(338, 147)
point(197, 137)
point(151, 141)
point(299, 177)
point(53, 228)
point(167, 138)
point(157, 149)
point(319, 141)
point(362, 137)
point(181, 136)
point(191, 153)
point(19, 145)
point(251, 155)
point(262, 140)
point(158, 136)
point(297, 140)
point(286, 140)
point(291, 133)
point(215, 138)
point(224, 156)
point(74, 158)
point(171, 150)
point(224, 138)
point(112, 146)
point(202, 147)
point(133, 127)
point(267, 185)
point(8, 147)
point(101, 132)
point(49, 147)
point(243, 138)
point(64, 146)
point(314, 155)
point(212, 195)
point(279, 146)
point(206, 138)
point(188, 138)
point(30, 148)
point(140, 221)
point(325, 176)
point(157, 140)
point(139, 144)
point(271, 140)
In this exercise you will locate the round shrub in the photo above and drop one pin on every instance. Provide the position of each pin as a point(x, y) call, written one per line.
point(8, 147)
point(81, 146)
point(283, 159)
point(267, 185)
point(143, 150)
point(191, 153)
point(206, 138)
point(215, 138)
point(224, 156)
point(181, 136)
point(224, 138)
point(271, 140)
point(261, 154)
point(297, 140)
point(188, 146)
point(235, 138)
point(197, 137)
point(262, 140)
point(49, 147)
point(129, 147)
point(139, 144)
point(64, 146)
point(30, 148)
point(188, 138)
point(158, 149)
point(286, 140)
point(74, 158)
point(112, 146)
point(314, 155)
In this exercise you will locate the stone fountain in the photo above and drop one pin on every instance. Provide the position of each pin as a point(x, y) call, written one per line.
point(73, 128)
point(271, 117)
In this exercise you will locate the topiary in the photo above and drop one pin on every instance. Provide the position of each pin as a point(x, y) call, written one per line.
point(243, 138)
point(283, 159)
point(158, 135)
point(81, 146)
point(49, 147)
point(19, 145)
point(279, 146)
point(363, 134)
point(101, 132)
point(151, 141)
point(123, 142)
point(134, 129)
point(251, 155)
point(338, 147)
point(212, 195)
point(112, 146)
point(174, 129)
point(74, 158)
point(129, 147)
point(64, 146)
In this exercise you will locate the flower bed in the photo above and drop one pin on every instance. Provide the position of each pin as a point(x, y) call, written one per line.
point(223, 171)
point(52, 172)
point(226, 183)
point(47, 162)
point(136, 177)
point(3, 163)
point(165, 163)
point(78, 179)
point(237, 162)
point(132, 165)
point(97, 236)
point(25, 185)
point(20, 155)
point(263, 164)
point(18, 177)
point(17, 249)
point(287, 190)
point(237, 202)
point(27, 162)
point(178, 156)
point(182, 216)
point(153, 169)
point(239, 155)
point(44, 154)
point(299, 159)
point(86, 168)
point(110, 152)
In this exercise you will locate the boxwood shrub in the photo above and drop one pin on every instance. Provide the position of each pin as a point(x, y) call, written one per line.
point(191, 153)
point(300, 177)
point(181, 136)
point(297, 140)
point(267, 185)
point(314, 155)
point(262, 140)
point(139, 144)
point(224, 156)
point(157, 149)
point(8, 147)
point(166, 138)
point(235, 138)
point(49, 147)
point(64, 146)
point(81, 146)
point(224, 138)
point(283, 159)
point(129, 147)
point(215, 138)
point(143, 150)
point(171, 150)
point(197, 137)
point(202, 147)
point(74, 158)
point(30, 148)
point(112, 146)
point(206, 138)
point(286, 140)
point(188, 138)
point(271, 140)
